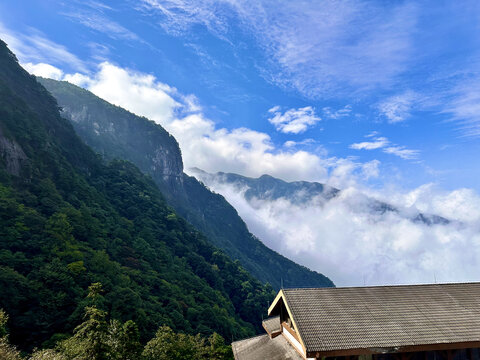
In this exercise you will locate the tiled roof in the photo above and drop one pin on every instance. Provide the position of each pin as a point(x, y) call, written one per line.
point(272, 325)
point(385, 317)
point(262, 347)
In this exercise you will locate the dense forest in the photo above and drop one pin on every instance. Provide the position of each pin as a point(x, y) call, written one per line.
point(96, 338)
point(68, 219)
point(118, 134)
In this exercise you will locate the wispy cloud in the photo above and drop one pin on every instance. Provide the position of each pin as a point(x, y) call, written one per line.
point(380, 142)
point(330, 113)
point(397, 108)
point(33, 47)
point(101, 23)
point(294, 121)
point(322, 49)
point(462, 105)
point(402, 152)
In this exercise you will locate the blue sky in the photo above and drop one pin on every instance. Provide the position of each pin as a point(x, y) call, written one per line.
point(390, 88)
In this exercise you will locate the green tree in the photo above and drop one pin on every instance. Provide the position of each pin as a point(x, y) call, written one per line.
point(217, 350)
point(7, 351)
point(167, 345)
point(123, 341)
point(89, 341)
point(48, 354)
point(3, 323)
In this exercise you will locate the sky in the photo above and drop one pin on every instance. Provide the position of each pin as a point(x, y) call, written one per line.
point(381, 97)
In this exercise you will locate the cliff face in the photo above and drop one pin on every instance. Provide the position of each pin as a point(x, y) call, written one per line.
point(12, 155)
point(117, 133)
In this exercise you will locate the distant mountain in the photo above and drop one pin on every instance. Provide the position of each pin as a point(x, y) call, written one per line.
point(267, 187)
point(116, 133)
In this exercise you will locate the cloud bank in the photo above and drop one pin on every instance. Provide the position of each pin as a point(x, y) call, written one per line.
point(354, 245)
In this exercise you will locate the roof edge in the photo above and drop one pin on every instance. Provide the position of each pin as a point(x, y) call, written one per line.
point(396, 350)
point(281, 296)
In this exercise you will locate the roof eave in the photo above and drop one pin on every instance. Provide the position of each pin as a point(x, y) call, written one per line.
point(401, 349)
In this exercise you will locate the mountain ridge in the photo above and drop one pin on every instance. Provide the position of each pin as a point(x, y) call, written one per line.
point(267, 187)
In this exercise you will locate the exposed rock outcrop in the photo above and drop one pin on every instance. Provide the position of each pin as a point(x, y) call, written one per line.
point(12, 155)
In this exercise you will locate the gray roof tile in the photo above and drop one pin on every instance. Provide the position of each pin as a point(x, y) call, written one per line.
point(272, 325)
point(262, 347)
point(385, 316)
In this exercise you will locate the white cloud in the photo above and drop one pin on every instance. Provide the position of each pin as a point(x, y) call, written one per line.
point(134, 91)
point(44, 70)
point(386, 146)
point(378, 143)
point(402, 152)
point(349, 242)
point(203, 144)
point(329, 113)
point(397, 108)
point(291, 143)
point(294, 121)
point(321, 49)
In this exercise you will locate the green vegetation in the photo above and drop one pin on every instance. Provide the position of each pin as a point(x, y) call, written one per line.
point(68, 220)
point(118, 134)
point(96, 338)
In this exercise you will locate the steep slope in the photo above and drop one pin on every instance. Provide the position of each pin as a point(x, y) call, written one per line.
point(116, 133)
point(68, 220)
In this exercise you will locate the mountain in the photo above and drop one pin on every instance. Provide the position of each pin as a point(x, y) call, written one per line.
point(68, 219)
point(116, 133)
point(269, 188)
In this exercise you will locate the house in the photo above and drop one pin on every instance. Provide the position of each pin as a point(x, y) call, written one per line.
point(408, 322)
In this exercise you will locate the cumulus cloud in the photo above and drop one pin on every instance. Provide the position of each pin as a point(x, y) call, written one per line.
point(352, 244)
point(294, 121)
point(202, 142)
point(44, 70)
point(138, 92)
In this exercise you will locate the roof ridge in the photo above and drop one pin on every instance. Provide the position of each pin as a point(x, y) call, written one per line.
point(382, 286)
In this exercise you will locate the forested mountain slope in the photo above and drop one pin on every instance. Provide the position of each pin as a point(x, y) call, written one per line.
point(67, 220)
point(117, 133)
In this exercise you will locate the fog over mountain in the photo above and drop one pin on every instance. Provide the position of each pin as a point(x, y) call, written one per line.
point(361, 237)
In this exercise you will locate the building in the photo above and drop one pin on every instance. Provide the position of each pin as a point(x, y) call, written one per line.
point(409, 322)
